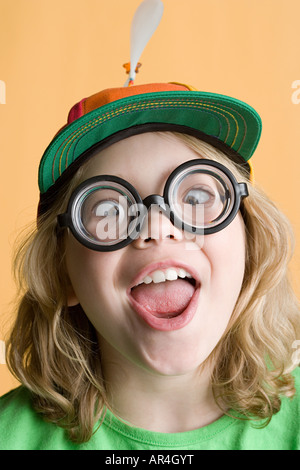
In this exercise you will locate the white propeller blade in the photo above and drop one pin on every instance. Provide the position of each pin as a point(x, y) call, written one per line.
point(145, 21)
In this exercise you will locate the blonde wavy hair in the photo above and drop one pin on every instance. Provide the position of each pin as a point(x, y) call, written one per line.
point(53, 349)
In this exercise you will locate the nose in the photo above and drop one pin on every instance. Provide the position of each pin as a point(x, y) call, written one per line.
point(156, 229)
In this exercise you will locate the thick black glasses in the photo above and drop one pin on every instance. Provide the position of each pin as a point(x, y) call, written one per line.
point(106, 213)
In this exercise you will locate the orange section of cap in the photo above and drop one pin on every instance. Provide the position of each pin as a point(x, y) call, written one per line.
point(113, 94)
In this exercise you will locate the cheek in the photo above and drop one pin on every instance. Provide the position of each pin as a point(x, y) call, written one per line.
point(226, 252)
point(90, 273)
point(95, 284)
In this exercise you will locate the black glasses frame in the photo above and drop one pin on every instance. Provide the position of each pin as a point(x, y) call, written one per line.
point(240, 190)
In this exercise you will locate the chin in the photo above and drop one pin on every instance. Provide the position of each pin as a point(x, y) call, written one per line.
point(174, 360)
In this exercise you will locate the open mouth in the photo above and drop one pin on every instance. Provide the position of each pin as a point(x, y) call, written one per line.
point(166, 297)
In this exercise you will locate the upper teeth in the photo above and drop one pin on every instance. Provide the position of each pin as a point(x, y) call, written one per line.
point(170, 274)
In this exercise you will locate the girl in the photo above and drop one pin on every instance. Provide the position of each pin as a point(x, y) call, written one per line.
point(156, 312)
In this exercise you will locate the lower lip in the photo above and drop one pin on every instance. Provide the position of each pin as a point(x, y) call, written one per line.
point(163, 323)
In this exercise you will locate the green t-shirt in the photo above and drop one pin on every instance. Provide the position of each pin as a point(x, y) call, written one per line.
point(21, 428)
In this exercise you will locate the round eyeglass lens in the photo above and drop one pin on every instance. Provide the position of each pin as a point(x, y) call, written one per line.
point(101, 213)
point(202, 196)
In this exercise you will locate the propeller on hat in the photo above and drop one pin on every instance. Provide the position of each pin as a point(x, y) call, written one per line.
point(145, 21)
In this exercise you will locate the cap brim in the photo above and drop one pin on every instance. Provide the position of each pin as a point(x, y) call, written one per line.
point(233, 124)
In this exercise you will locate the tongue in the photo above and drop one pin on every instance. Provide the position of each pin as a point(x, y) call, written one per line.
point(170, 297)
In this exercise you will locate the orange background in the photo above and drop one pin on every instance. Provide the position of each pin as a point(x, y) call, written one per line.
point(55, 52)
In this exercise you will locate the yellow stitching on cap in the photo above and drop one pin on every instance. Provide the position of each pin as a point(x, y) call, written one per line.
point(127, 108)
point(93, 123)
point(236, 123)
point(144, 105)
point(245, 127)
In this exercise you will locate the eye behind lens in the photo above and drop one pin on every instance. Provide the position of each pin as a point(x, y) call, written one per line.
point(202, 195)
point(100, 212)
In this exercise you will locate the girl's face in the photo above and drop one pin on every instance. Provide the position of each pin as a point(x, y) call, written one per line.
point(167, 328)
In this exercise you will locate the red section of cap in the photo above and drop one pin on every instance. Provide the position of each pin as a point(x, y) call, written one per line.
point(77, 111)
point(113, 94)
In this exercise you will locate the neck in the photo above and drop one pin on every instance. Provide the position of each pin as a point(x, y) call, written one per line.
point(156, 402)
